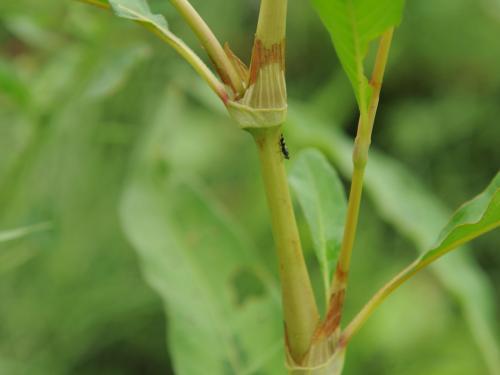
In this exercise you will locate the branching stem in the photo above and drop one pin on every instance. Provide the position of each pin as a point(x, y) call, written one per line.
point(375, 301)
point(208, 40)
point(360, 157)
point(396, 282)
point(181, 48)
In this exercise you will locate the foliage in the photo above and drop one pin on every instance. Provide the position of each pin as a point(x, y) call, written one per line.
point(472, 219)
point(222, 295)
point(322, 198)
point(77, 92)
point(353, 24)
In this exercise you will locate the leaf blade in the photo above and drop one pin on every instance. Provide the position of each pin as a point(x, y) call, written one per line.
point(474, 218)
point(192, 255)
point(138, 10)
point(14, 234)
point(404, 202)
point(321, 196)
point(352, 25)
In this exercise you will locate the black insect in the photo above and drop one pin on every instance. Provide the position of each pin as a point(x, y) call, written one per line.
point(284, 149)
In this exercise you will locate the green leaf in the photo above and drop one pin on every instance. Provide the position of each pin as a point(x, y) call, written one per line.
point(17, 233)
point(478, 216)
point(31, 31)
point(224, 314)
point(193, 259)
point(112, 73)
point(474, 218)
point(11, 83)
point(11, 258)
point(404, 202)
point(322, 199)
point(138, 10)
point(353, 24)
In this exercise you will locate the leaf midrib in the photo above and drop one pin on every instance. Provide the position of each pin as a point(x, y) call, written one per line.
point(358, 56)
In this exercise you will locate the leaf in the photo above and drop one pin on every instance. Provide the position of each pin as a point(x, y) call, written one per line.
point(31, 32)
point(14, 234)
point(415, 212)
point(224, 314)
point(322, 199)
point(138, 10)
point(352, 25)
point(12, 258)
point(11, 83)
point(192, 259)
point(114, 72)
point(478, 216)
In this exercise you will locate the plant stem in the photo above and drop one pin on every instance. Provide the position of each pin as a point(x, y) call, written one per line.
point(193, 59)
point(267, 84)
point(300, 310)
point(267, 92)
point(181, 48)
point(96, 3)
point(226, 69)
point(271, 27)
point(376, 300)
point(396, 282)
point(360, 158)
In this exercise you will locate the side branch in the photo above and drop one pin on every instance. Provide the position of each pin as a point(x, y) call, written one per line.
point(208, 40)
point(181, 48)
point(360, 155)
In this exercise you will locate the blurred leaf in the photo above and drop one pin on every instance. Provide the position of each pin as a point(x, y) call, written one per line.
point(113, 73)
point(478, 216)
point(11, 84)
point(322, 198)
point(12, 258)
point(55, 80)
point(14, 234)
point(353, 24)
point(8, 366)
point(32, 33)
point(138, 10)
point(224, 315)
point(191, 258)
point(404, 202)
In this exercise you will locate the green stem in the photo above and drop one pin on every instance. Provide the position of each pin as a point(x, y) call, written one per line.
point(360, 158)
point(397, 281)
point(193, 59)
point(376, 300)
point(271, 27)
point(267, 76)
point(300, 310)
point(214, 49)
point(181, 48)
point(97, 4)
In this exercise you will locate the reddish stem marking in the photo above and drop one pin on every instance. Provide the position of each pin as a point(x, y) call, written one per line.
point(262, 56)
point(334, 315)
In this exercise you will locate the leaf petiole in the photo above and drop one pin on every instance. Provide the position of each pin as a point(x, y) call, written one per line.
point(176, 43)
point(360, 155)
point(476, 217)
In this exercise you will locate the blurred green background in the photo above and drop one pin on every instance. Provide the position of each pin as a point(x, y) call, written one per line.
point(84, 96)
